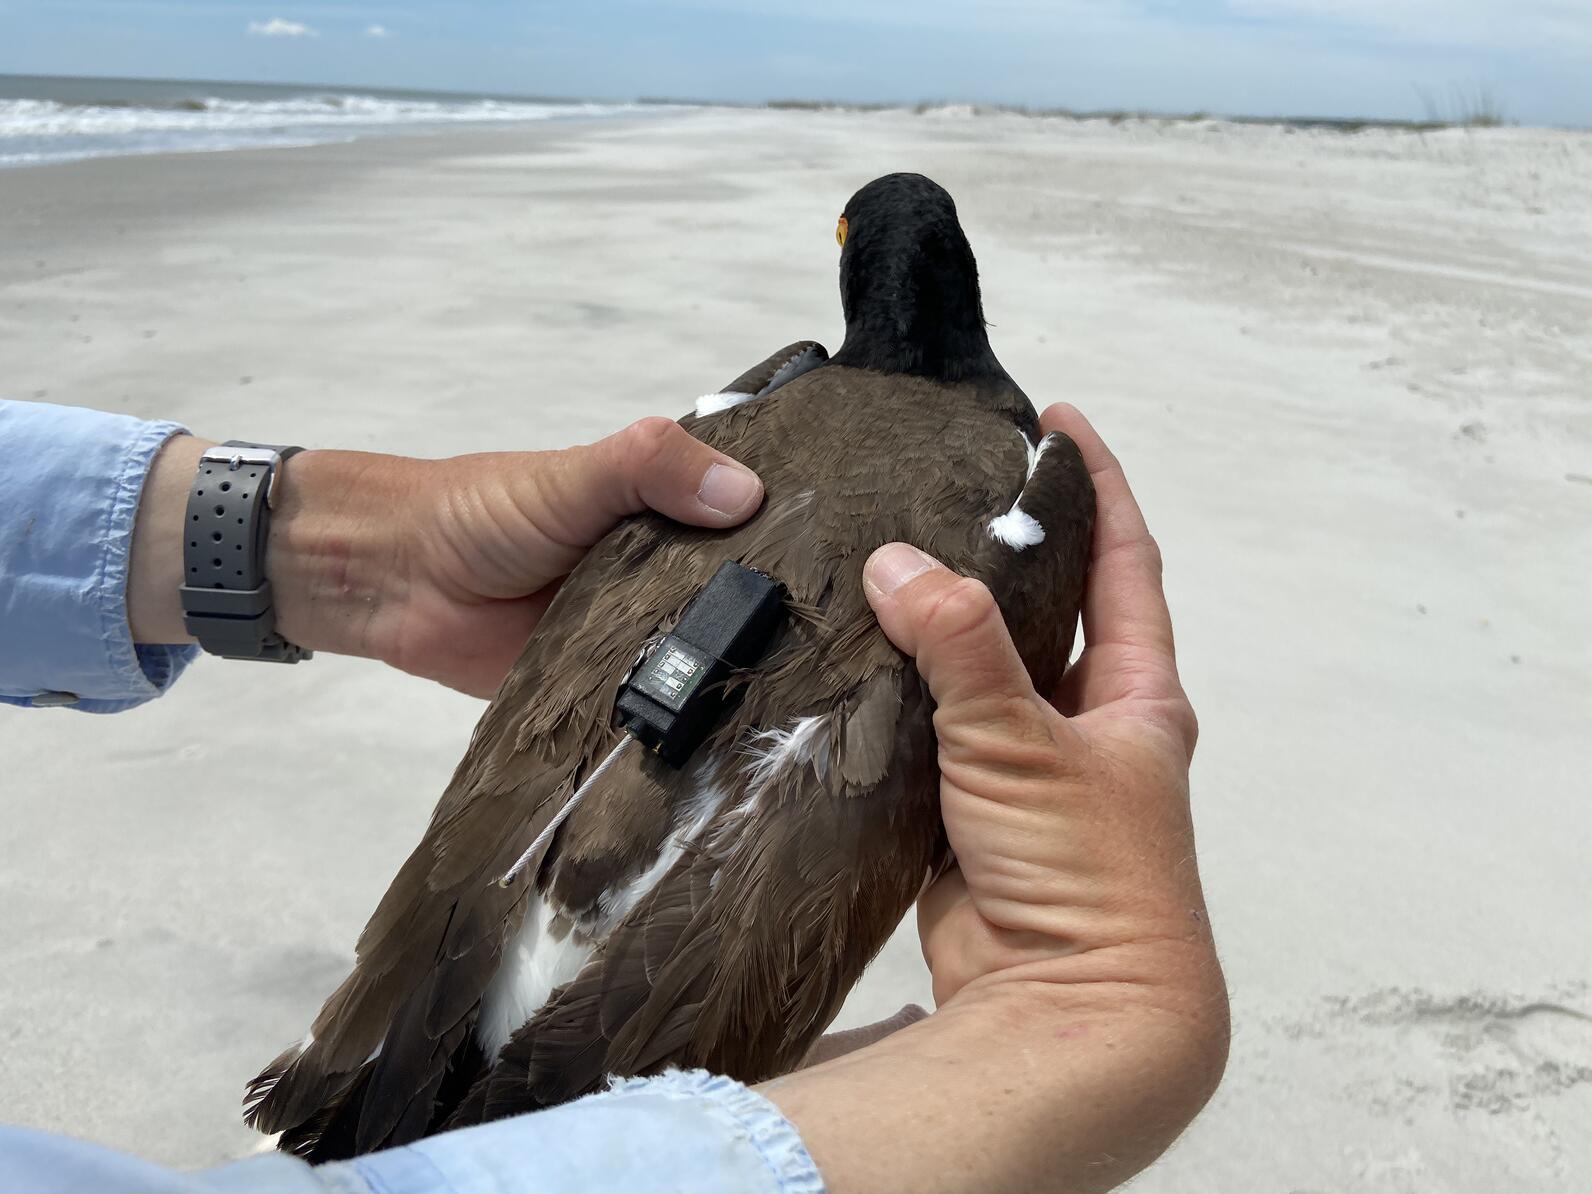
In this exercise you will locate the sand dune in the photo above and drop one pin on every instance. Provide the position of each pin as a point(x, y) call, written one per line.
point(1348, 376)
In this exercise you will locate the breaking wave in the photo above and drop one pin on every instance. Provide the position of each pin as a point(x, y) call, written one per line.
point(36, 131)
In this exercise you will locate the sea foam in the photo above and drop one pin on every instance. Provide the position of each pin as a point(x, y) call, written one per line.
point(36, 131)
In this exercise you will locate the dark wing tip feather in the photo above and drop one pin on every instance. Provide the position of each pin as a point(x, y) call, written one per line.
point(260, 1110)
point(305, 1108)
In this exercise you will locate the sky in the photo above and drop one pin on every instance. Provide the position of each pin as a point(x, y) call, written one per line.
point(1381, 58)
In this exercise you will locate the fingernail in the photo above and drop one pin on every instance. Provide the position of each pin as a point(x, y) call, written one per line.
point(729, 489)
point(895, 564)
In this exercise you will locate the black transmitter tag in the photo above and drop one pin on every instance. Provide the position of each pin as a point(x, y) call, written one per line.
point(674, 698)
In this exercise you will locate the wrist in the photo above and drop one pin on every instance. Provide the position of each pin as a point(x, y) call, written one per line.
point(1175, 979)
point(1071, 1087)
point(1003, 1092)
point(333, 552)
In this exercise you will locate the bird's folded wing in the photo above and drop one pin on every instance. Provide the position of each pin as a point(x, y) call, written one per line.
point(781, 367)
point(1046, 534)
point(741, 953)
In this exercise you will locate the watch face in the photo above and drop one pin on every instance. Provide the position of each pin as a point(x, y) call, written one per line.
point(672, 673)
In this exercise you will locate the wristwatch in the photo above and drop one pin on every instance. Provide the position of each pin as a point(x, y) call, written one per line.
point(226, 600)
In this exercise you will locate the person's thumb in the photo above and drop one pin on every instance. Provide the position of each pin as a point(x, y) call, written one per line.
point(950, 624)
point(653, 464)
point(987, 712)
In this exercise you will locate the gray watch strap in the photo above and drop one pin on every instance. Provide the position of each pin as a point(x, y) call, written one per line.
point(226, 602)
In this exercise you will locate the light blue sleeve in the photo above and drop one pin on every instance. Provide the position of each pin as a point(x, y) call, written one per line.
point(70, 481)
point(688, 1132)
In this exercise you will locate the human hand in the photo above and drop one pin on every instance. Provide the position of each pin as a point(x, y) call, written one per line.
point(1082, 1018)
point(442, 568)
point(1069, 820)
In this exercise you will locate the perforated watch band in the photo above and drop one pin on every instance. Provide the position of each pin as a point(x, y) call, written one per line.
point(226, 602)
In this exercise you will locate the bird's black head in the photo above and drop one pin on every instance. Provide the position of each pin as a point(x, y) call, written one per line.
point(909, 284)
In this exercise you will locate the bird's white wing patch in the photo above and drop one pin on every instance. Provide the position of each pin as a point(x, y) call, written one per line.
point(537, 960)
point(712, 404)
point(1035, 451)
point(615, 904)
point(534, 963)
point(1017, 528)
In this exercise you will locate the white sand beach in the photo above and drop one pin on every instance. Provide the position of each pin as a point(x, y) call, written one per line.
point(1350, 377)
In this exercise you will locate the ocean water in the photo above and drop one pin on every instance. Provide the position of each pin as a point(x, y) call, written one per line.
point(46, 119)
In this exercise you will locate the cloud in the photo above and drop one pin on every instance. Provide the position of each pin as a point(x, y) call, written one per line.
point(377, 31)
point(277, 27)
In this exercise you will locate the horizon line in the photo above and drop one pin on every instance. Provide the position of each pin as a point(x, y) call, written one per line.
point(1348, 123)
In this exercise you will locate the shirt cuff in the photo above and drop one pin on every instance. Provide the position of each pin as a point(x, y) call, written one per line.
point(68, 500)
point(687, 1131)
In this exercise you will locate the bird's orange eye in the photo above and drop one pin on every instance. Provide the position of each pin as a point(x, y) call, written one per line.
point(840, 232)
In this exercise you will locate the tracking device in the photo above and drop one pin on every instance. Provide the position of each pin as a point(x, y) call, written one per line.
point(674, 696)
point(673, 699)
